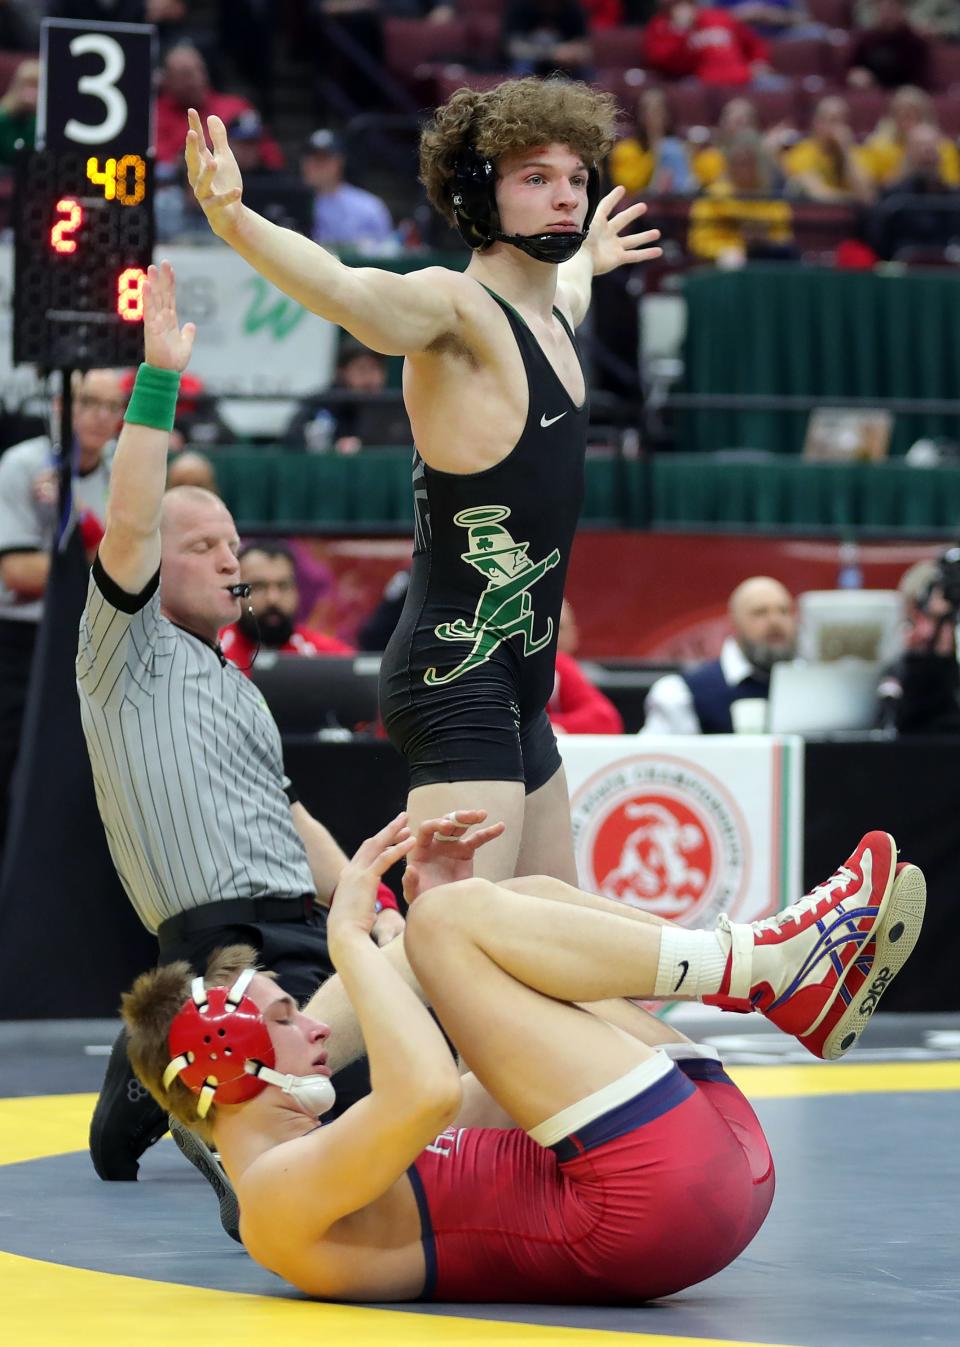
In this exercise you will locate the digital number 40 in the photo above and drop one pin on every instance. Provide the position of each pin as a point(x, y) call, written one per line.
point(122, 180)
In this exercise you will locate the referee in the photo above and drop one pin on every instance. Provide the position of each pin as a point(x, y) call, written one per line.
point(204, 828)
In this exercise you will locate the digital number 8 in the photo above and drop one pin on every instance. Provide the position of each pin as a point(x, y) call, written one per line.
point(130, 294)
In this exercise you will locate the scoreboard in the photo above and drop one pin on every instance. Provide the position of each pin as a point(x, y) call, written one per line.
point(83, 206)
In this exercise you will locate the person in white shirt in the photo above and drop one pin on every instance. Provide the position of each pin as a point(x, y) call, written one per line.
point(698, 701)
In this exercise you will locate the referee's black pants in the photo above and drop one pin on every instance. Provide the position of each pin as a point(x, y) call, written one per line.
point(126, 1119)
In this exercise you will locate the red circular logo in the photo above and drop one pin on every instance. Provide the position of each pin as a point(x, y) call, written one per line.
point(655, 851)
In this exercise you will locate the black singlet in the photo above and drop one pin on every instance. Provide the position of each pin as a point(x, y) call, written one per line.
point(470, 667)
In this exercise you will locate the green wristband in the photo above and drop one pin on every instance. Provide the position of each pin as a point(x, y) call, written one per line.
point(153, 401)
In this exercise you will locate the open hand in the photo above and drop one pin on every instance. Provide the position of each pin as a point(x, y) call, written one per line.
point(166, 345)
point(609, 246)
point(443, 851)
point(213, 174)
point(353, 906)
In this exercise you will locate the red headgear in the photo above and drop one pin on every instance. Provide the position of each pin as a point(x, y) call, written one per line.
point(213, 1038)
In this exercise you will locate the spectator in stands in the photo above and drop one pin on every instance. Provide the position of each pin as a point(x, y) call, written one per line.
point(736, 115)
point(774, 19)
point(543, 36)
point(933, 18)
point(576, 706)
point(883, 151)
point(654, 160)
point(708, 44)
point(268, 616)
point(18, 110)
point(28, 526)
point(185, 83)
point(188, 468)
point(828, 165)
point(699, 700)
point(920, 692)
point(903, 219)
point(739, 216)
point(347, 424)
point(343, 215)
point(889, 53)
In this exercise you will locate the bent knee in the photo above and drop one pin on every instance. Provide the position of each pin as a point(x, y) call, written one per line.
point(447, 909)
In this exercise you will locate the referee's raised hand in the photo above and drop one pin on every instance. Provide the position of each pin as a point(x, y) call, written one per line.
point(166, 345)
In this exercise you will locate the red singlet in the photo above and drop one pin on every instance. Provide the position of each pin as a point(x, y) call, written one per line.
point(651, 1197)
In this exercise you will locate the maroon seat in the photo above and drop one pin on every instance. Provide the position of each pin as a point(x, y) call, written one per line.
point(838, 56)
point(617, 47)
point(866, 106)
point(453, 77)
point(834, 13)
point(407, 43)
point(483, 35)
point(775, 105)
point(948, 113)
point(691, 105)
point(626, 85)
point(945, 66)
point(805, 56)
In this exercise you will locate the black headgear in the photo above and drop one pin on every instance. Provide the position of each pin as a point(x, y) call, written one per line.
point(474, 201)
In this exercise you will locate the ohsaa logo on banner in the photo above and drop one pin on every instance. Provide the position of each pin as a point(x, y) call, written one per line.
point(663, 834)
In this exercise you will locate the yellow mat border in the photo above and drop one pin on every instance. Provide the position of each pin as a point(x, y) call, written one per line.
point(49, 1304)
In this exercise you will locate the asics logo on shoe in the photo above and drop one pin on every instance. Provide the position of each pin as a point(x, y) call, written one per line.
point(877, 987)
point(548, 421)
point(834, 939)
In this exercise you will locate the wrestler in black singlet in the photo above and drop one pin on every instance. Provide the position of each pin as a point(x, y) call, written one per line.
point(470, 668)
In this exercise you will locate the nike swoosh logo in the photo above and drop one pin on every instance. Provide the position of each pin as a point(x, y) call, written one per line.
point(544, 421)
point(685, 965)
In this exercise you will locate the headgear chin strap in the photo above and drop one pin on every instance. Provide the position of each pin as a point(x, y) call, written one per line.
point(221, 1049)
point(473, 197)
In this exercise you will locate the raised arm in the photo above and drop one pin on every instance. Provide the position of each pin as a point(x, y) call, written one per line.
point(396, 315)
point(415, 1087)
point(130, 549)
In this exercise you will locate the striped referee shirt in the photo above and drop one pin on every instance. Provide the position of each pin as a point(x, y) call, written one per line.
point(187, 761)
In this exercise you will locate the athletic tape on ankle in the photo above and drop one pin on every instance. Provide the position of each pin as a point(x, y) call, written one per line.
point(153, 401)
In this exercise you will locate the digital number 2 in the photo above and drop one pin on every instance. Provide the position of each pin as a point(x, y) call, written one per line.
point(61, 231)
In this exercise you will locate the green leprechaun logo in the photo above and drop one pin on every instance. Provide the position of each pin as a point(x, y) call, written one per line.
point(504, 608)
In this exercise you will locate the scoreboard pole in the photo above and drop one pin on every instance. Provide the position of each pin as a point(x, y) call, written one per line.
point(83, 217)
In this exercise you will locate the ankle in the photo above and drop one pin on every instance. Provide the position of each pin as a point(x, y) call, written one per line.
point(691, 964)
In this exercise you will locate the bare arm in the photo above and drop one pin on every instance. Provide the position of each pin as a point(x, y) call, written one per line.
point(396, 315)
point(25, 573)
point(130, 550)
point(415, 1088)
point(603, 251)
point(324, 856)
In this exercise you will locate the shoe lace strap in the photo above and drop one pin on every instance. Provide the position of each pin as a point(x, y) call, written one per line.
point(797, 911)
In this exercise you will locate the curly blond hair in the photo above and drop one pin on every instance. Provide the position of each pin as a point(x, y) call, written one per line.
point(149, 1009)
point(516, 115)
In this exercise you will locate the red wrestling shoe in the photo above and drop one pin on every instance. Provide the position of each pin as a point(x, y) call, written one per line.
point(875, 968)
point(795, 966)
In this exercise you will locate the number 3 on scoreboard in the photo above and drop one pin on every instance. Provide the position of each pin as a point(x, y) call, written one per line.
point(130, 294)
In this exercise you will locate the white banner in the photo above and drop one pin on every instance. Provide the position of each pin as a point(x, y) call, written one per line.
point(251, 338)
point(688, 827)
